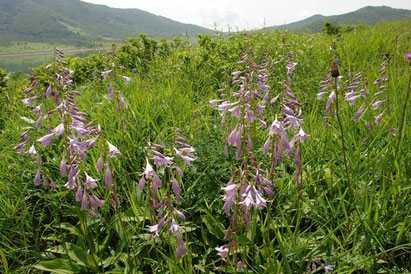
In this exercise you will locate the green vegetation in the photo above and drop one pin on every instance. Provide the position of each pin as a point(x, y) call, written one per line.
point(73, 22)
point(364, 16)
point(357, 223)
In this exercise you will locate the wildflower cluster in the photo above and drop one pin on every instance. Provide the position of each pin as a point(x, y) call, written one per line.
point(167, 174)
point(114, 92)
point(72, 135)
point(288, 120)
point(243, 114)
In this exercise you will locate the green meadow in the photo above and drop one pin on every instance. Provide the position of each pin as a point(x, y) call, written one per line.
point(350, 213)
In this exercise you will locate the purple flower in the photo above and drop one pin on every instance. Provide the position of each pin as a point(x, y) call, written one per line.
point(29, 101)
point(234, 138)
point(37, 178)
point(352, 99)
point(99, 164)
point(108, 178)
point(379, 117)
point(84, 201)
point(39, 122)
point(90, 181)
point(46, 139)
point(180, 215)
point(359, 112)
point(110, 92)
point(28, 90)
point(59, 129)
point(181, 247)
point(266, 146)
point(222, 251)
point(126, 79)
point(63, 167)
point(408, 55)
point(174, 227)
point(331, 99)
point(214, 103)
point(229, 197)
point(48, 92)
point(377, 104)
point(186, 159)
point(32, 151)
point(176, 189)
point(235, 74)
point(113, 151)
point(79, 194)
point(95, 201)
point(105, 74)
point(20, 147)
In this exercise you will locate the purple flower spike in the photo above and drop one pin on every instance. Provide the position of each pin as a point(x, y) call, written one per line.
point(408, 55)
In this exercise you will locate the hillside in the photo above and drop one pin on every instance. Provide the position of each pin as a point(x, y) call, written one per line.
point(74, 21)
point(366, 16)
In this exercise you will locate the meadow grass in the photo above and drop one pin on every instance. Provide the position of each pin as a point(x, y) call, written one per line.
point(361, 224)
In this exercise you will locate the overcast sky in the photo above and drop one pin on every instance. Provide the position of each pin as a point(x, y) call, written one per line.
point(244, 14)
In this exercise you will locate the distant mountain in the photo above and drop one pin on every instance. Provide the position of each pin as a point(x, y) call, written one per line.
point(366, 16)
point(74, 20)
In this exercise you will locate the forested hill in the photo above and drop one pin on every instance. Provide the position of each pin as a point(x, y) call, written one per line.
point(366, 16)
point(74, 20)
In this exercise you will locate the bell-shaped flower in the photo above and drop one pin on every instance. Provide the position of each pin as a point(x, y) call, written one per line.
point(99, 164)
point(377, 104)
point(90, 181)
point(29, 101)
point(181, 247)
point(46, 139)
point(32, 151)
point(108, 178)
point(113, 151)
point(222, 251)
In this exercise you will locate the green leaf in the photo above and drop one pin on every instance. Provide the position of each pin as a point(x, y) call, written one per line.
point(58, 266)
point(81, 256)
point(214, 226)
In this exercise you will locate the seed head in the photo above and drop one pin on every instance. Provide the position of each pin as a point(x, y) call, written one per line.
point(334, 69)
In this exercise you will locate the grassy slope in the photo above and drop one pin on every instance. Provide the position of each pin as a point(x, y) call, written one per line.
point(366, 16)
point(77, 22)
point(367, 231)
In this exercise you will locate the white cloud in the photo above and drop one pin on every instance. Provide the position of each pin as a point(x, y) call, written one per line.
point(245, 14)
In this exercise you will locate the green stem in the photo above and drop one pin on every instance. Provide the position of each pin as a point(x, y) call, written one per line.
point(342, 133)
point(403, 118)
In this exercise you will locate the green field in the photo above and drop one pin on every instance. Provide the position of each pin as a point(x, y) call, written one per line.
point(350, 211)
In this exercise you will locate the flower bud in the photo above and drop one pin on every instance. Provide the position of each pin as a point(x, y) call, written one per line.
point(334, 69)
